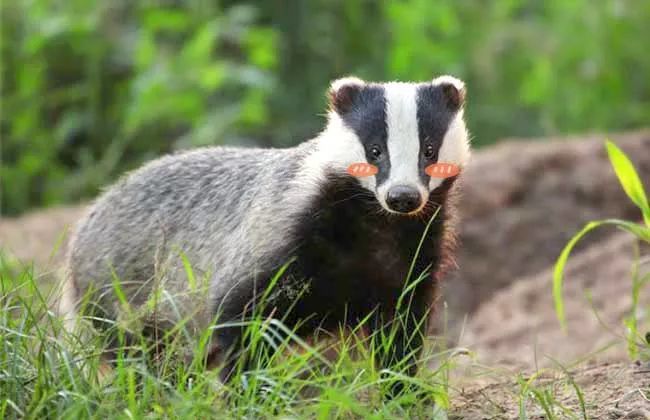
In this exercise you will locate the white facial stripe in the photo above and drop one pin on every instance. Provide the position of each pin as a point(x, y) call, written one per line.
point(403, 140)
point(454, 148)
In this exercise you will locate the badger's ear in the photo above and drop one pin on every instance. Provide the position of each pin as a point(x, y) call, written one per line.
point(453, 90)
point(343, 92)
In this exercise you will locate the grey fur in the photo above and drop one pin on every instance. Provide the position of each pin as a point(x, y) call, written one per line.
point(225, 209)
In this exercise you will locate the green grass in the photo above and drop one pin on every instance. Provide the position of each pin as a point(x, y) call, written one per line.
point(46, 371)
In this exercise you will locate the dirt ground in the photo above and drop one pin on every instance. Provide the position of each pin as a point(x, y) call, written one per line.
point(609, 391)
point(516, 331)
point(522, 201)
point(517, 325)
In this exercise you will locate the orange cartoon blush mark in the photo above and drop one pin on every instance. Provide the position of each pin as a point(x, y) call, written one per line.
point(362, 169)
point(442, 170)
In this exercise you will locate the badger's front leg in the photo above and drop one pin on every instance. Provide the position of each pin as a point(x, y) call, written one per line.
point(400, 329)
point(233, 331)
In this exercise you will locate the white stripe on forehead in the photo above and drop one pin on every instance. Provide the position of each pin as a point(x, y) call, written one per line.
point(403, 139)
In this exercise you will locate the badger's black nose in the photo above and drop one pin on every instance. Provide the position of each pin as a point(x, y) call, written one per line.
point(403, 199)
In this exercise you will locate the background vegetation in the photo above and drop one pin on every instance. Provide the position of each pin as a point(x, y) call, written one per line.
point(91, 88)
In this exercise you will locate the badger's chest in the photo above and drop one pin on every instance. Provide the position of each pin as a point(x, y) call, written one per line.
point(352, 257)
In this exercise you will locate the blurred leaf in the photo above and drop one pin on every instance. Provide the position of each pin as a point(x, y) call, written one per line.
point(212, 76)
point(536, 84)
point(254, 110)
point(146, 51)
point(201, 46)
point(166, 19)
point(629, 179)
point(261, 45)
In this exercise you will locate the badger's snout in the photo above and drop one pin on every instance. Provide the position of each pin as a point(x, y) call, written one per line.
point(403, 198)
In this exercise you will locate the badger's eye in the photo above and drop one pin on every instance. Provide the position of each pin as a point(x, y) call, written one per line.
point(429, 151)
point(375, 152)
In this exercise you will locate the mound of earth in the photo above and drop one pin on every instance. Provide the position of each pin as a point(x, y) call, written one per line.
point(522, 201)
point(517, 325)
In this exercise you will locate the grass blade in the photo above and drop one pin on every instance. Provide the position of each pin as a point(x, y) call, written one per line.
point(639, 231)
point(629, 179)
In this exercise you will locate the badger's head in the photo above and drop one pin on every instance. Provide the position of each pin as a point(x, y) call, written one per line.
point(401, 128)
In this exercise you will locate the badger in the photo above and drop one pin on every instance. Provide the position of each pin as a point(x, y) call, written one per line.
point(197, 236)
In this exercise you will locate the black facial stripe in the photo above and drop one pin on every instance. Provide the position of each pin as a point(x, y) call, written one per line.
point(434, 117)
point(367, 118)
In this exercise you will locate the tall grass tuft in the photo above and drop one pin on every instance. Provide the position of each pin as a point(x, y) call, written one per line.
point(633, 187)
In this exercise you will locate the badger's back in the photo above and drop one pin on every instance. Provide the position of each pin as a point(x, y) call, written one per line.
point(212, 211)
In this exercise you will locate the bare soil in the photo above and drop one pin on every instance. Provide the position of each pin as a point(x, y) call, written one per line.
point(609, 391)
point(518, 326)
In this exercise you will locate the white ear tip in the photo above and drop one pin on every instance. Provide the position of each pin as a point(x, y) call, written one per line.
point(458, 84)
point(346, 81)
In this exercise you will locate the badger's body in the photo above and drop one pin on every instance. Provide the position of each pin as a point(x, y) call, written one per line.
point(236, 216)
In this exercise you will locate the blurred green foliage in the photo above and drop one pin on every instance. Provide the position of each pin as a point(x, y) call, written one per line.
point(91, 88)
